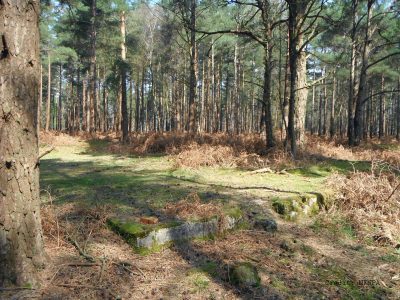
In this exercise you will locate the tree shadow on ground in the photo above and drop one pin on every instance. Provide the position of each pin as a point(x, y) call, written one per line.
point(145, 192)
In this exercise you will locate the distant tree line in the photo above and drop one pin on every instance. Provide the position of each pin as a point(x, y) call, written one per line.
point(281, 68)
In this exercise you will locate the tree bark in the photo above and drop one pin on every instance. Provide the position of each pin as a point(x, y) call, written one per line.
point(93, 67)
point(48, 94)
point(39, 107)
point(362, 85)
point(193, 67)
point(332, 127)
point(382, 109)
point(60, 108)
point(21, 241)
point(352, 76)
point(124, 102)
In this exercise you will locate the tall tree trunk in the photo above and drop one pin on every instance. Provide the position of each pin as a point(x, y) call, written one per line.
point(131, 93)
point(362, 85)
point(398, 109)
point(60, 107)
point(382, 109)
point(193, 68)
point(137, 114)
point(332, 128)
point(93, 67)
point(235, 100)
point(293, 66)
point(21, 241)
point(48, 93)
point(312, 105)
point(320, 113)
point(352, 76)
point(39, 107)
point(85, 115)
point(124, 102)
point(79, 99)
point(269, 124)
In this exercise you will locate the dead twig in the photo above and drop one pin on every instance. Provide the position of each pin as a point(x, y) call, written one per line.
point(81, 252)
point(394, 191)
point(122, 265)
point(43, 154)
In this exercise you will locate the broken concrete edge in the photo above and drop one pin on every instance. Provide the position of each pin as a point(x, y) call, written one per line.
point(147, 239)
point(297, 207)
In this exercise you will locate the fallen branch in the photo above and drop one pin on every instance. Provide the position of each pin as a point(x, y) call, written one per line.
point(81, 264)
point(81, 252)
point(122, 265)
point(263, 170)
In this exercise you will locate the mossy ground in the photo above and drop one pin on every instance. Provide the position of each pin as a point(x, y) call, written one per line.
point(325, 259)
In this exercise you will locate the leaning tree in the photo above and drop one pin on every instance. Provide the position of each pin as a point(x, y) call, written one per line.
point(21, 245)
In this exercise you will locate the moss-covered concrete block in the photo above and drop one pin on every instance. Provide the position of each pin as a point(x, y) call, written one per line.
point(296, 207)
point(145, 236)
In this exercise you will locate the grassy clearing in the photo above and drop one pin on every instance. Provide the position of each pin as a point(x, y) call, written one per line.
point(327, 254)
point(86, 173)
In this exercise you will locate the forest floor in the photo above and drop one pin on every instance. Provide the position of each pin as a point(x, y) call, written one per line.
point(83, 183)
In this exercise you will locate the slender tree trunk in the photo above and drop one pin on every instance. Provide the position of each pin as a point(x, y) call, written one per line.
point(85, 116)
point(312, 105)
point(21, 241)
point(193, 67)
point(48, 94)
point(382, 109)
point(39, 109)
point(332, 127)
point(320, 114)
point(137, 114)
point(124, 102)
point(352, 76)
point(398, 110)
point(131, 103)
point(79, 99)
point(93, 67)
point(269, 124)
point(60, 107)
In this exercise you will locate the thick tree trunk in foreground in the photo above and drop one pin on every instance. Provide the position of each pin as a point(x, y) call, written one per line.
point(21, 245)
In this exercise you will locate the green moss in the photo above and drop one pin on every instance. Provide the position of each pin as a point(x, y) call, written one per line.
point(391, 258)
point(155, 248)
point(28, 285)
point(245, 275)
point(233, 212)
point(209, 268)
point(279, 285)
point(335, 225)
point(135, 229)
point(130, 231)
point(200, 280)
point(296, 207)
point(282, 205)
point(307, 250)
